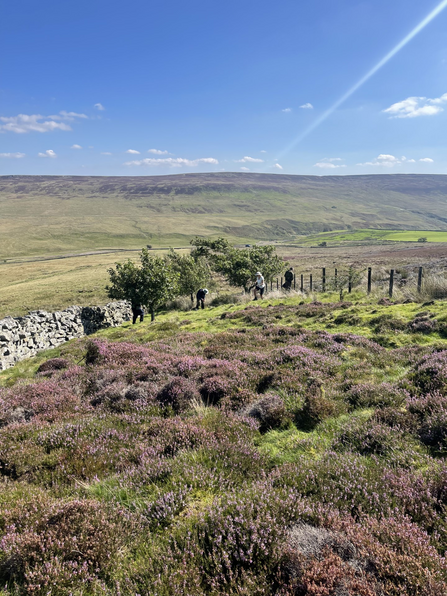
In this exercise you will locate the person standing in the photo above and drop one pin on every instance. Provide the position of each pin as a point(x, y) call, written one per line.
point(201, 295)
point(259, 286)
point(288, 279)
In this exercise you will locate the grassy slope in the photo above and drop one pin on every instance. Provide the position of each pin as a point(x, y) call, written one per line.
point(357, 319)
point(304, 448)
point(52, 215)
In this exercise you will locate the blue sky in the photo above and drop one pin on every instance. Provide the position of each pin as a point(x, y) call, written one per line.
point(148, 87)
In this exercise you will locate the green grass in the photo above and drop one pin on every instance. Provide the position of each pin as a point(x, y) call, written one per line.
point(373, 236)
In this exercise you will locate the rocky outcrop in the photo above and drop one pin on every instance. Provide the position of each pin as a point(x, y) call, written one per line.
point(24, 337)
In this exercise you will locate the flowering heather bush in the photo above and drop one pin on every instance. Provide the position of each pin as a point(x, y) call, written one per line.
point(179, 394)
point(53, 364)
point(270, 412)
point(62, 547)
point(431, 373)
point(370, 437)
point(368, 395)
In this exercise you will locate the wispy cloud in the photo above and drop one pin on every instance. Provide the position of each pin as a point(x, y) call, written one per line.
point(307, 106)
point(262, 151)
point(76, 147)
point(106, 153)
point(278, 166)
point(287, 110)
point(23, 123)
point(390, 161)
point(99, 107)
point(133, 151)
point(13, 155)
point(249, 160)
point(158, 152)
point(48, 153)
point(176, 162)
point(412, 107)
point(329, 163)
point(243, 169)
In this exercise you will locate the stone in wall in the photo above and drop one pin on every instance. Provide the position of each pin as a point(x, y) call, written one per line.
point(23, 337)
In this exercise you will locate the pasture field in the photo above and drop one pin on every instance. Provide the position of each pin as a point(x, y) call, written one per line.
point(289, 446)
point(373, 236)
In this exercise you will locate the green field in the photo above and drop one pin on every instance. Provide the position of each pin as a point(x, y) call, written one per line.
point(373, 236)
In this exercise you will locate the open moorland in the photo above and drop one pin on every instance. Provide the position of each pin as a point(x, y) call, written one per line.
point(59, 234)
point(289, 447)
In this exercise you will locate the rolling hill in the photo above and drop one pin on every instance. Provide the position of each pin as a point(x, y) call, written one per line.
point(59, 214)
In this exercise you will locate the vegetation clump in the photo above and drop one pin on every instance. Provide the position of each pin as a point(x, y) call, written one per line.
point(265, 457)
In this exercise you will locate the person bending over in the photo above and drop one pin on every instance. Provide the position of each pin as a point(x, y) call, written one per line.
point(201, 295)
point(259, 286)
point(137, 311)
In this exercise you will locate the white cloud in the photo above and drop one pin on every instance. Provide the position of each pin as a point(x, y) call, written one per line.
point(250, 160)
point(106, 153)
point(245, 169)
point(412, 107)
point(24, 123)
point(133, 151)
point(287, 110)
point(384, 160)
point(328, 165)
point(427, 160)
point(67, 116)
point(262, 151)
point(158, 152)
point(48, 153)
point(13, 155)
point(278, 166)
point(411, 161)
point(76, 147)
point(177, 162)
point(99, 107)
point(307, 106)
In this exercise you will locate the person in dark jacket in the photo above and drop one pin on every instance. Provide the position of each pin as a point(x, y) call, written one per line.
point(288, 279)
point(201, 295)
point(137, 311)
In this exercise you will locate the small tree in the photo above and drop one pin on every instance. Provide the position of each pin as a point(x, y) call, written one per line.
point(149, 285)
point(423, 239)
point(192, 273)
point(239, 265)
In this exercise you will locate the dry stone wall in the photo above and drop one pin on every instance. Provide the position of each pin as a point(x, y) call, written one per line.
point(24, 337)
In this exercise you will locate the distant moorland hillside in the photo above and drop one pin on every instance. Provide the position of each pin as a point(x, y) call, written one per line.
point(54, 214)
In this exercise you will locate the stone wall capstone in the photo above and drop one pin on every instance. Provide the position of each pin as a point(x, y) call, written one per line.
point(23, 337)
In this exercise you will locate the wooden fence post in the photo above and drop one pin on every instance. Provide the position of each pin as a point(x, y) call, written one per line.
point(369, 280)
point(391, 283)
point(281, 282)
point(350, 282)
point(271, 284)
point(277, 284)
point(302, 283)
point(310, 282)
point(420, 280)
point(324, 279)
point(294, 281)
